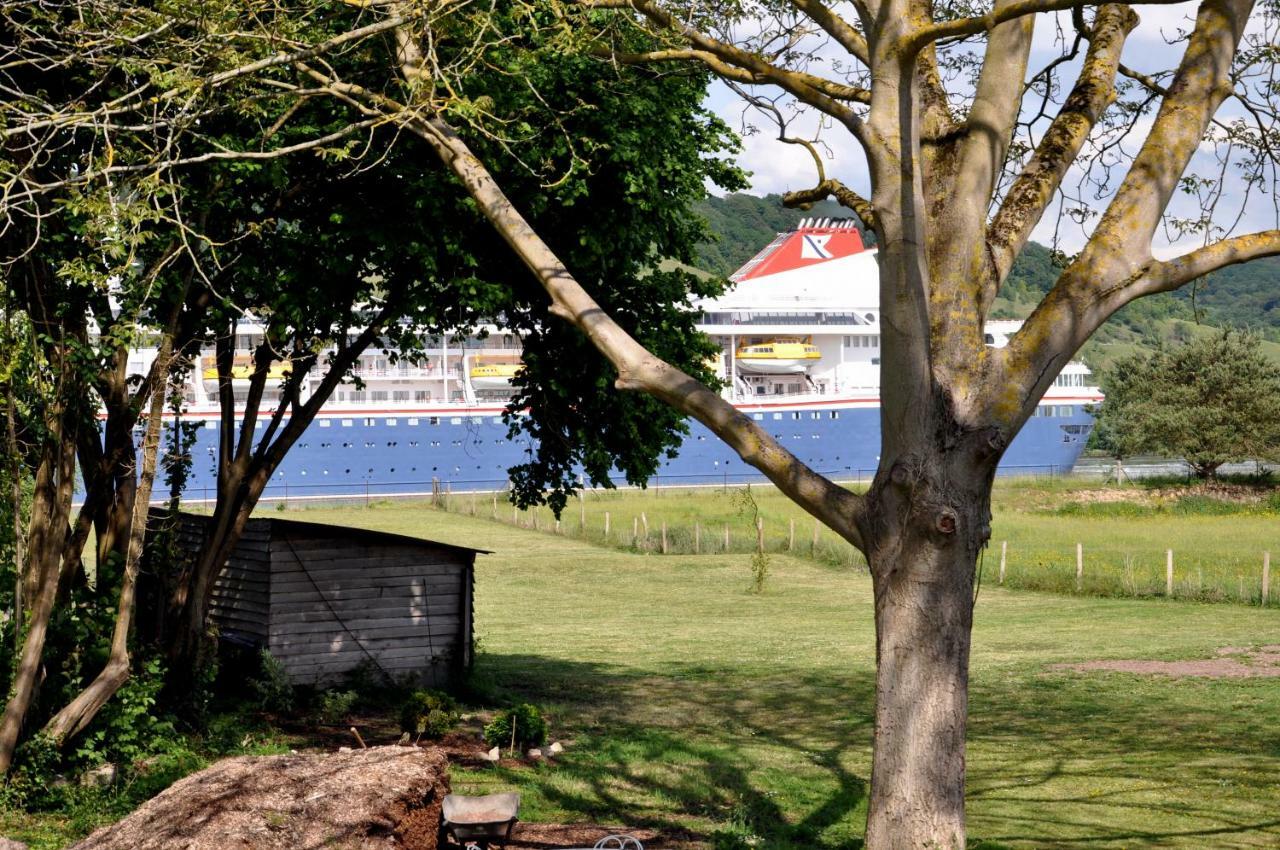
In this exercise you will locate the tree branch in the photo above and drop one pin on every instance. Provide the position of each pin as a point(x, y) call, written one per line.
point(836, 27)
point(831, 188)
point(1034, 187)
point(1163, 276)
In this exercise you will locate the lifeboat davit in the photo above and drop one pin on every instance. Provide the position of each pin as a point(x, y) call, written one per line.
point(777, 356)
point(494, 376)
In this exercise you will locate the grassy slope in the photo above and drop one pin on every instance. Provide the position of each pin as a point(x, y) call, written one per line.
point(692, 703)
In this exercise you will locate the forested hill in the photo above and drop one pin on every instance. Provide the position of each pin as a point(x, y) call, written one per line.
point(1247, 295)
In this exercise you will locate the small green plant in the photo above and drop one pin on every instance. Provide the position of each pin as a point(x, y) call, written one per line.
point(521, 726)
point(759, 572)
point(335, 705)
point(428, 714)
point(271, 688)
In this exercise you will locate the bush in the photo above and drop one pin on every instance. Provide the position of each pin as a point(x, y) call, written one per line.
point(335, 705)
point(271, 688)
point(128, 728)
point(530, 727)
point(428, 714)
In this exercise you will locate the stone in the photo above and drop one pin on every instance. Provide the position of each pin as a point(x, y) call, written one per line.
point(344, 749)
point(11, 844)
point(339, 801)
point(494, 754)
point(556, 748)
point(535, 753)
point(102, 776)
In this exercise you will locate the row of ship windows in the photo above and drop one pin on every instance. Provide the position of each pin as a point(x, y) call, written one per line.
point(1056, 410)
point(799, 414)
point(369, 421)
point(872, 341)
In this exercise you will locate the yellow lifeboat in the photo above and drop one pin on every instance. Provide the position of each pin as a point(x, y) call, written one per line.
point(777, 356)
point(493, 376)
point(242, 370)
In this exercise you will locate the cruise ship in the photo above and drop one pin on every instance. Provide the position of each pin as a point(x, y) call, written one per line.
point(799, 333)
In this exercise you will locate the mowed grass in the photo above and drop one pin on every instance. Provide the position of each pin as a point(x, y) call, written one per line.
point(745, 720)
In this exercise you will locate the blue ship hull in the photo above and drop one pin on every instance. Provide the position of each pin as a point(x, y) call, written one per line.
point(382, 453)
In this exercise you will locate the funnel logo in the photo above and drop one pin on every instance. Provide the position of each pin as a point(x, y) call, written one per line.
point(814, 247)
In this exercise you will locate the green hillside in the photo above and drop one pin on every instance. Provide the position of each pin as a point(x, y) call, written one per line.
point(1246, 295)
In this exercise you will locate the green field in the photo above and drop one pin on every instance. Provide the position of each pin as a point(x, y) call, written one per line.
point(690, 704)
point(1218, 545)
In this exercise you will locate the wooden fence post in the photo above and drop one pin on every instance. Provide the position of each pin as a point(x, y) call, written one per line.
point(813, 544)
point(791, 536)
point(533, 512)
point(557, 526)
point(635, 531)
point(664, 537)
point(606, 525)
point(495, 506)
point(726, 537)
point(582, 516)
point(1266, 578)
point(1168, 572)
point(697, 538)
point(1079, 567)
point(644, 520)
point(760, 535)
point(1004, 557)
point(515, 516)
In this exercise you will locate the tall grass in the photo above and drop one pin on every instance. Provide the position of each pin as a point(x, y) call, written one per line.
point(1218, 543)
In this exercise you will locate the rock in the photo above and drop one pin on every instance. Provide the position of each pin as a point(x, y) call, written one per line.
point(344, 749)
point(404, 740)
point(535, 753)
point(382, 797)
point(556, 748)
point(102, 776)
point(10, 844)
point(494, 754)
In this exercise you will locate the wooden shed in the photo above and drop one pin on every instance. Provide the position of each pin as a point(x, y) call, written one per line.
point(323, 599)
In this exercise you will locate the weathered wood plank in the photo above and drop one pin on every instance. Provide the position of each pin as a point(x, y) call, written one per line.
point(317, 631)
point(353, 568)
point(436, 606)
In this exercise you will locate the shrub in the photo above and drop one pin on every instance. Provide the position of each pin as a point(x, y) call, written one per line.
point(128, 727)
point(530, 727)
point(335, 705)
point(428, 714)
point(271, 688)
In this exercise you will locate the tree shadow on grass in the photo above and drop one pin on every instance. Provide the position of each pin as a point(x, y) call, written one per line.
point(779, 759)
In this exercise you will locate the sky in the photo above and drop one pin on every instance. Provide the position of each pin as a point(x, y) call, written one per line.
point(777, 167)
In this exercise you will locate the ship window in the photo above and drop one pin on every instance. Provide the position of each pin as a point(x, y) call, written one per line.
point(477, 420)
point(434, 420)
point(835, 414)
point(497, 420)
point(391, 421)
point(210, 425)
point(846, 343)
point(379, 395)
point(815, 415)
point(422, 395)
point(757, 416)
point(875, 361)
point(325, 423)
point(795, 414)
point(777, 416)
point(413, 421)
point(257, 426)
point(370, 421)
point(455, 420)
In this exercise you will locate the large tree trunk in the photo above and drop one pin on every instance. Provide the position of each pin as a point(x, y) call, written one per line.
point(930, 516)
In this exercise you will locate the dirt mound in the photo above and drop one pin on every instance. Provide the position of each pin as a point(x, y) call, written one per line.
point(1232, 662)
point(384, 797)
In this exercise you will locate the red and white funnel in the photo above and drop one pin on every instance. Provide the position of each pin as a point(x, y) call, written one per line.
point(814, 241)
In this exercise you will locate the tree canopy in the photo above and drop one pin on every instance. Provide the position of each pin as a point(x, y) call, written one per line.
point(1212, 401)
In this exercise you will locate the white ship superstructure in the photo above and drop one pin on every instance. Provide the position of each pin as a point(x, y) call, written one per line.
point(799, 331)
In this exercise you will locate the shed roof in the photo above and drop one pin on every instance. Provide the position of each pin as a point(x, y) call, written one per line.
point(304, 528)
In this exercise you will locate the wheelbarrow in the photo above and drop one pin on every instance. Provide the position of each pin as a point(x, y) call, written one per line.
point(480, 821)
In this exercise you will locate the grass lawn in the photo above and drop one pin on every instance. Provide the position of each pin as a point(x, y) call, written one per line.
point(690, 703)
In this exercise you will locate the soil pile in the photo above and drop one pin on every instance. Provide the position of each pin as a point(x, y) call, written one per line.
point(384, 797)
